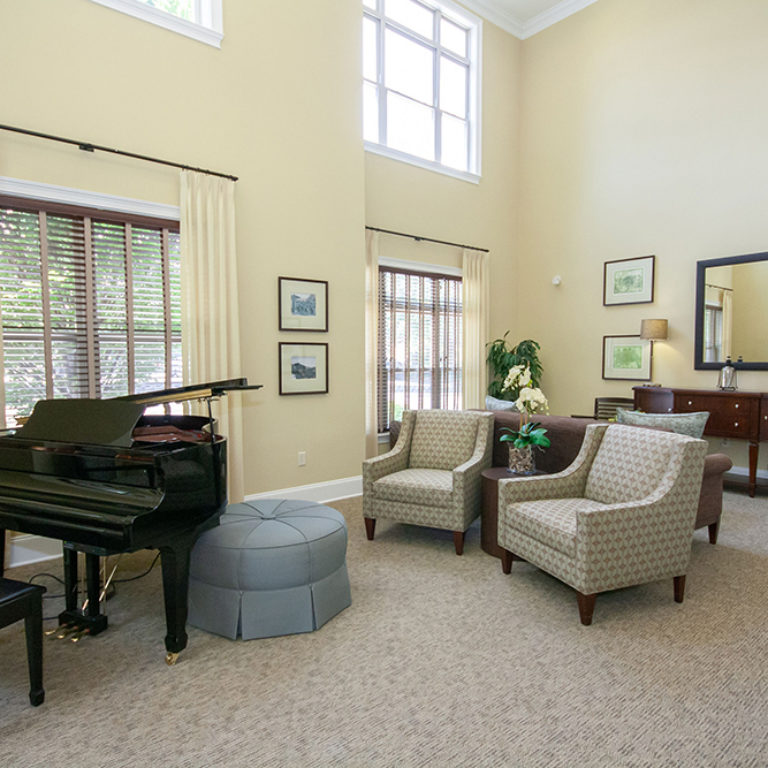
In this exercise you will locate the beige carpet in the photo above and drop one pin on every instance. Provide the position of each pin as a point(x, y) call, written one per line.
point(440, 661)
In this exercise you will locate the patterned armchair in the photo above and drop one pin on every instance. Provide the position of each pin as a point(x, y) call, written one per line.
point(432, 475)
point(622, 514)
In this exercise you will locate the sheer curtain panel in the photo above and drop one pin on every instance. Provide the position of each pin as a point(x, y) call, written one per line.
point(371, 342)
point(475, 289)
point(210, 316)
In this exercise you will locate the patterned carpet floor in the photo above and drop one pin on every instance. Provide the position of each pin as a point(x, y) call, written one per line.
point(439, 661)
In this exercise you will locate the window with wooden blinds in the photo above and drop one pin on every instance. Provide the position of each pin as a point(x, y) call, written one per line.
point(419, 345)
point(90, 303)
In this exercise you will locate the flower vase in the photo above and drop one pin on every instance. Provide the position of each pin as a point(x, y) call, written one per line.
point(521, 460)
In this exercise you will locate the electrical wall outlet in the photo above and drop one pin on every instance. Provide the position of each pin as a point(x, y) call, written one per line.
point(302, 458)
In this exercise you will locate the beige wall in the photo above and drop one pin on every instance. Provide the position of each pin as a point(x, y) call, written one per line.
point(279, 107)
point(642, 132)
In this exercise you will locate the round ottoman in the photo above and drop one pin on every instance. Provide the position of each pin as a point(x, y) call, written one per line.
point(271, 567)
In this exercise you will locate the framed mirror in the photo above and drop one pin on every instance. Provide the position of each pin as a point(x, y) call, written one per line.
point(731, 312)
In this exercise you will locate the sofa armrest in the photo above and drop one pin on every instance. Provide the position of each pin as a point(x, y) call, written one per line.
point(716, 464)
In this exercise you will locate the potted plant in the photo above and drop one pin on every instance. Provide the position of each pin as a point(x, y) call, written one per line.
point(530, 400)
point(502, 357)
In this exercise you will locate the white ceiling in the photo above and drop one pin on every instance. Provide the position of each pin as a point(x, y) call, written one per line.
point(524, 18)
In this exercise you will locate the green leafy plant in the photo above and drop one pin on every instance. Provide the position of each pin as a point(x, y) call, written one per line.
point(501, 357)
point(530, 433)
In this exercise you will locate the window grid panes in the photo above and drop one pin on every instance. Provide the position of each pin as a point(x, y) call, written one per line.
point(418, 74)
point(90, 307)
point(419, 357)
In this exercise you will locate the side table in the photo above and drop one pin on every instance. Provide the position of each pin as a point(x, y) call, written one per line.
point(489, 514)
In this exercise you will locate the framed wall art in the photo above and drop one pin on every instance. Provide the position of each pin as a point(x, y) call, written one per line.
point(303, 368)
point(627, 357)
point(303, 304)
point(628, 281)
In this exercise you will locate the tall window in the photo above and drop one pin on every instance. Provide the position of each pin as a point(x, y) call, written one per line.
point(90, 303)
point(421, 83)
point(419, 362)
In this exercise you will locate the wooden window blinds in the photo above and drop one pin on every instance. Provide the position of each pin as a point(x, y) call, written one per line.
point(90, 303)
point(419, 343)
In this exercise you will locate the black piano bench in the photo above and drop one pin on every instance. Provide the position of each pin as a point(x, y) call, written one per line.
point(19, 600)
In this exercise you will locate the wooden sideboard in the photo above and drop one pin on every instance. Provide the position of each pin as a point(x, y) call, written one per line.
point(737, 415)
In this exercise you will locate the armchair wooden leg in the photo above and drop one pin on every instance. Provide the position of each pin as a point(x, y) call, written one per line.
point(586, 607)
point(713, 528)
point(370, 527)
point(679, 582)
point(506, 561)
point(458, 541)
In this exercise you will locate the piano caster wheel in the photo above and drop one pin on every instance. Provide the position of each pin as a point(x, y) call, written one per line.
point(171, 658)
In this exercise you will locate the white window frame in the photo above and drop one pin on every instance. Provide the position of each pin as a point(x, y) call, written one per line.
point(207, 28)
point(455, 13)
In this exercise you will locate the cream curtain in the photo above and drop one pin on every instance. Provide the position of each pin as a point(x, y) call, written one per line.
point(727, 323)
point(2, 378)
point(475, 297)
point(371, 341)
point(209, 305)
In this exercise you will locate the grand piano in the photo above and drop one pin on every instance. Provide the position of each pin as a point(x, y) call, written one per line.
point(106, 478)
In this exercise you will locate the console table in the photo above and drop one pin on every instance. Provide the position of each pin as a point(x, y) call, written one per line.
point(738, 415)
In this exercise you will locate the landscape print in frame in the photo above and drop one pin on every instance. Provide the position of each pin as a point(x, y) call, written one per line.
point(626, 357)
point(303, 304)
point(628, 281)
point(303, 368)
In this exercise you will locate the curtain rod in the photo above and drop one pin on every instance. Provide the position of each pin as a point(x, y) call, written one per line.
point(428, 239)
point(86, 146)
point(721, 287)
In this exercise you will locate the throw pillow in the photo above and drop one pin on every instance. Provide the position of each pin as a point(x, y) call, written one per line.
point(494, 404)
point(683, 423)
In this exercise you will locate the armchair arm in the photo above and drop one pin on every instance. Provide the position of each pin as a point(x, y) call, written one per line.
point(393, 460)
point(569, 483)
point(655, 531)
point(466, 477)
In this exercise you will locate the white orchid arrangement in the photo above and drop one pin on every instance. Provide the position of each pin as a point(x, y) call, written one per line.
point(529, 400)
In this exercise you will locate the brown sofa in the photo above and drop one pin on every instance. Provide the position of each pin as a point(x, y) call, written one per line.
point(567, 435)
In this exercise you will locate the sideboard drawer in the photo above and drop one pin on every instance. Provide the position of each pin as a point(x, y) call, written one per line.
point(729, 416)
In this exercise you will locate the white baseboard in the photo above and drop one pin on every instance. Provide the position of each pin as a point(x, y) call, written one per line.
point(319, 492)
point(27, 549)
point(744, 472)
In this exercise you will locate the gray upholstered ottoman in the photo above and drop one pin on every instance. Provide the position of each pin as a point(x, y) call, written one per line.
point(272, 567)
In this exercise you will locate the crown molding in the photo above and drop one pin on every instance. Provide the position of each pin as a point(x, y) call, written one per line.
point(493, 12)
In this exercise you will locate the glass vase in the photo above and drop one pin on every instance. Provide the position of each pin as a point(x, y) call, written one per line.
point(521, 460)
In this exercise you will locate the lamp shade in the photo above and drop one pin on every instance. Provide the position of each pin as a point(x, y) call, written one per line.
point(654, 329)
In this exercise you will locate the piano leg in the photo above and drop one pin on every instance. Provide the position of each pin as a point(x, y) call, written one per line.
point(174, 558)
point(70, 578)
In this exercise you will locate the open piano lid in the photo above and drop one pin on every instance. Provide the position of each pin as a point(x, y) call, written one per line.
point(111, 422)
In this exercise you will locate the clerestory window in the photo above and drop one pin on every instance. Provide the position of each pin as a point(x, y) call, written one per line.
point(198, 19)
point(421, 85)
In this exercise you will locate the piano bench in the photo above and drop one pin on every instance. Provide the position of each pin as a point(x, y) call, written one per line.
point(272, 567)
point(20, 600)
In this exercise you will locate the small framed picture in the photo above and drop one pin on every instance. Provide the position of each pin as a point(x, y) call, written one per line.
point(628, 281)
point(303, 304)
point(626, 357)
point(303, 369)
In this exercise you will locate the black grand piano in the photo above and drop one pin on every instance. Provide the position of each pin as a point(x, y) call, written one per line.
point(106, 478)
